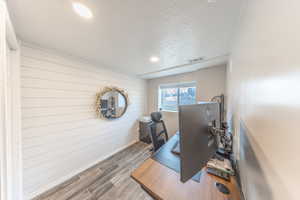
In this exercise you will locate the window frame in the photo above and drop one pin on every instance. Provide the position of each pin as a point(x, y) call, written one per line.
point(178, 86)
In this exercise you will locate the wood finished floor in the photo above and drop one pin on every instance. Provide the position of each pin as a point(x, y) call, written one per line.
point(108, 180)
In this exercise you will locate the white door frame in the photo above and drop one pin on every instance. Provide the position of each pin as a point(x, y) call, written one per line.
point(11, 183)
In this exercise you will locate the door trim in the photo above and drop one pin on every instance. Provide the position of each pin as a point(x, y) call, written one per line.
point(11, 141)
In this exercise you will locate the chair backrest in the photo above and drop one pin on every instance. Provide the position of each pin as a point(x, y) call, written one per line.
point(158, 131)
point(156, 116)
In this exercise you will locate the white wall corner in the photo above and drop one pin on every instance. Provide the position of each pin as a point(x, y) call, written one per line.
point(10, 138)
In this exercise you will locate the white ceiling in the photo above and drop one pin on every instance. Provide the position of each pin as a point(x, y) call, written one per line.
point(124, 34)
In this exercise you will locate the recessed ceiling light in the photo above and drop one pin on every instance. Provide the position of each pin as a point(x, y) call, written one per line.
point(82, 10)
point(154, 59)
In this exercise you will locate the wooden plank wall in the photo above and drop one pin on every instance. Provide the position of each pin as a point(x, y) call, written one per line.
point(61, 134)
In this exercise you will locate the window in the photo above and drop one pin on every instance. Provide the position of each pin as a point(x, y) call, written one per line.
point(170, 96)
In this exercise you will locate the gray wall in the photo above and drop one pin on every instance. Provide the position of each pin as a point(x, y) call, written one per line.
point(210, 82)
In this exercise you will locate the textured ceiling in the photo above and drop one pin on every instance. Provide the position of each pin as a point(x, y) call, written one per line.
point(124, 33)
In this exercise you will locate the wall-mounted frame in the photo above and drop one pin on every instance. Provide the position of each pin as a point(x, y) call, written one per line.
point(111, 103)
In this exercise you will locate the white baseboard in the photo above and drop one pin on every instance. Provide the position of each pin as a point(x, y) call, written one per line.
point(74, 173)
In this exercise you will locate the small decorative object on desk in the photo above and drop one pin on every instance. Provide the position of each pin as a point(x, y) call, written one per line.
point(222, 169)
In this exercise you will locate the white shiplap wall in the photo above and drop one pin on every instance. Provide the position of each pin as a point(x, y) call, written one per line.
point(61, 134)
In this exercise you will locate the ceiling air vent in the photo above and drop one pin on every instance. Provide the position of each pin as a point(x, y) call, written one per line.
point(196, 60)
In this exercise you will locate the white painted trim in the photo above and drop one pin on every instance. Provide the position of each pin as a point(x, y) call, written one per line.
point(11, 159)
point(3, 174)
point(16, 137)
point(74, 173)
point(10, 35)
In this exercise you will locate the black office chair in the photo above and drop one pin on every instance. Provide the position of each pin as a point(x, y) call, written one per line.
point(158, 131)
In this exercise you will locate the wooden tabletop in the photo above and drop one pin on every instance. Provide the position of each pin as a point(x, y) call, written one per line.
point(164, 184)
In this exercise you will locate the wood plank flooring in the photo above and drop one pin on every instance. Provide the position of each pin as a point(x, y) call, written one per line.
point(108, 180)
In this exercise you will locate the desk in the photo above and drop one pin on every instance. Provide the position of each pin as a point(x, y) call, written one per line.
point(163, 183)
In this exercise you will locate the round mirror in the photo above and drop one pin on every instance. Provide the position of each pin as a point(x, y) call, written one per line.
point(112, 103)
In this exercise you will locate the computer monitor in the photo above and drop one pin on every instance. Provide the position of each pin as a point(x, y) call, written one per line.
point(197, 145)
